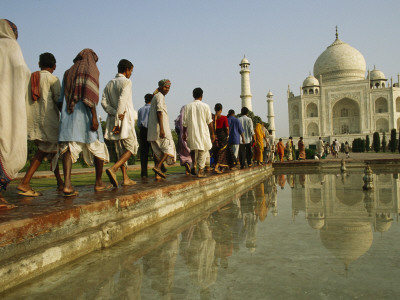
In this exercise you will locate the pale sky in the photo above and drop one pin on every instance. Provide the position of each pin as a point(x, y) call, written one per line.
point(201, 43)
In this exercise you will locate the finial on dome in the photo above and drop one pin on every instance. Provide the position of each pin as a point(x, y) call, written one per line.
point(374, 67)
point(337, 34)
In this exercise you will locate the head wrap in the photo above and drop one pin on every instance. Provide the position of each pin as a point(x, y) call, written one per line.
point(82, 80)
point(164, 82)
point(13, 27)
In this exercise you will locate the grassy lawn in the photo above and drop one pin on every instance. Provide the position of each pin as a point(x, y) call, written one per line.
point(88, 179)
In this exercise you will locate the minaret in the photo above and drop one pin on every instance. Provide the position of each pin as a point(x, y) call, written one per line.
point(246, 93)
point(271, 115)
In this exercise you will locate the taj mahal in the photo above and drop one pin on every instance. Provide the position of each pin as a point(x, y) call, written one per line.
point(343, 100)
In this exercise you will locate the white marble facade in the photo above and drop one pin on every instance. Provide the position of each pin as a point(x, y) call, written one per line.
point(342, 100)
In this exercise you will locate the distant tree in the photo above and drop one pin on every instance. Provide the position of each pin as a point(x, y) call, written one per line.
point(376, 143)
point(367, 143)
point(393, 140)
point(255, 119)
point(384, 142)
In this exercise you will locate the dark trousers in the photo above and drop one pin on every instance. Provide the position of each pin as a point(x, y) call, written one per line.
point(245, 154)
point(144, 151)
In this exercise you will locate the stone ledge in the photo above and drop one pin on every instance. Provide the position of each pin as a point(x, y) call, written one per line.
point(47, 239)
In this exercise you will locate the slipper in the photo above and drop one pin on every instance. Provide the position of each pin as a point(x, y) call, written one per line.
point(129, 184)
point(163, 168)
point(30, 193)
point(70, 194)
point(193, 172)
point(159, 173)
point(103, 188)
point(113, 178)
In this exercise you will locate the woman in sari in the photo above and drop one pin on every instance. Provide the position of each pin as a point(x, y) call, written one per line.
point(280, 149)
point(14, 80)
point(184, 151)
point(258, 144)
point(221, 152)
point(302, 149)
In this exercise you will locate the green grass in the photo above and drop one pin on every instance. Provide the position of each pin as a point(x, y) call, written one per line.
point(88, 179)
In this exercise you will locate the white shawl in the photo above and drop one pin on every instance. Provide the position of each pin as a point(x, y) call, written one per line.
point(14, 80)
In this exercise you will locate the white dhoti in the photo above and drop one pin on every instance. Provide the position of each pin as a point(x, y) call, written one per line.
point(164, 146)
point(129, 144)
point(96, 148)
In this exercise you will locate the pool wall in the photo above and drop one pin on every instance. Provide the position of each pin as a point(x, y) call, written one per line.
point(33, 246)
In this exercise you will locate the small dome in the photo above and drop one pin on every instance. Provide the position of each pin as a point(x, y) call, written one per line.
point(340, 62)
point(376, 75)
point(310, 81)
point(270, 94)
point(244, 61)
point(316, 223)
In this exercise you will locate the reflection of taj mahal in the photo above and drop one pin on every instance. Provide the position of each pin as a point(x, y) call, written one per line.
point(340, 99)
point(345, 215)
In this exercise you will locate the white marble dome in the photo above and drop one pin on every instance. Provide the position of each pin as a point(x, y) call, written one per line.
point(310, 81)
point(376, 75)
point(340, 62)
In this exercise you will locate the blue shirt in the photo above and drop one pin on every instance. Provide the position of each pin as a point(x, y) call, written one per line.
point(143, 115)
point(235, 130)
point(75, 127)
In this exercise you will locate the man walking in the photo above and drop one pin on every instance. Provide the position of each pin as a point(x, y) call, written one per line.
point(120, 124)
point(235, 132)
point(248, 133)
point(158, 131)
point(197, 129)
point(143, 120)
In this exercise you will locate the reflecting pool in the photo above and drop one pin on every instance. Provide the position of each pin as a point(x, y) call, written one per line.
point(294, 236)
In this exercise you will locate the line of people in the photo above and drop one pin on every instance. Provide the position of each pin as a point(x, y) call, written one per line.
point(61, 118)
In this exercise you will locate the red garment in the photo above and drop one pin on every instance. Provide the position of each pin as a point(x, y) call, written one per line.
point(222, 122)
point(35, 85)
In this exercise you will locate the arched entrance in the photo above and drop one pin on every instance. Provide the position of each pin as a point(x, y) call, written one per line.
point(382, 125)
point(312, 129)
point(345, 117)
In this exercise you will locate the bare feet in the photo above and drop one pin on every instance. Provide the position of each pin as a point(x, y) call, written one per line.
point(201, 174)
point(24, 187)
point(60, 188)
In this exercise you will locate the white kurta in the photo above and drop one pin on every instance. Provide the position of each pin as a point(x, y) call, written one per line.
point(43, 115)
point(153, 128)
point(196, 118)
point(117, 100)
point(14, 79)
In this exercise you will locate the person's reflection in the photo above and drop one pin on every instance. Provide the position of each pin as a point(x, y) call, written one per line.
point(224, 221)
point(124, 283)
point(198, 248)
point(261, 209)
point(249, 220)
point(159, 266)
point(290, 178)
point(282, 180)
point(302, 180)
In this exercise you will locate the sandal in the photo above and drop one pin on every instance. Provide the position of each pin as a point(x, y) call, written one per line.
point(113, 177)
point(30, 193)
point(159, 173)
point(71, 194)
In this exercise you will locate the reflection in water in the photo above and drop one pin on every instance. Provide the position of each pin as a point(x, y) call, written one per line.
point(159, 267)
point(345, 215)
point(226, 253)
